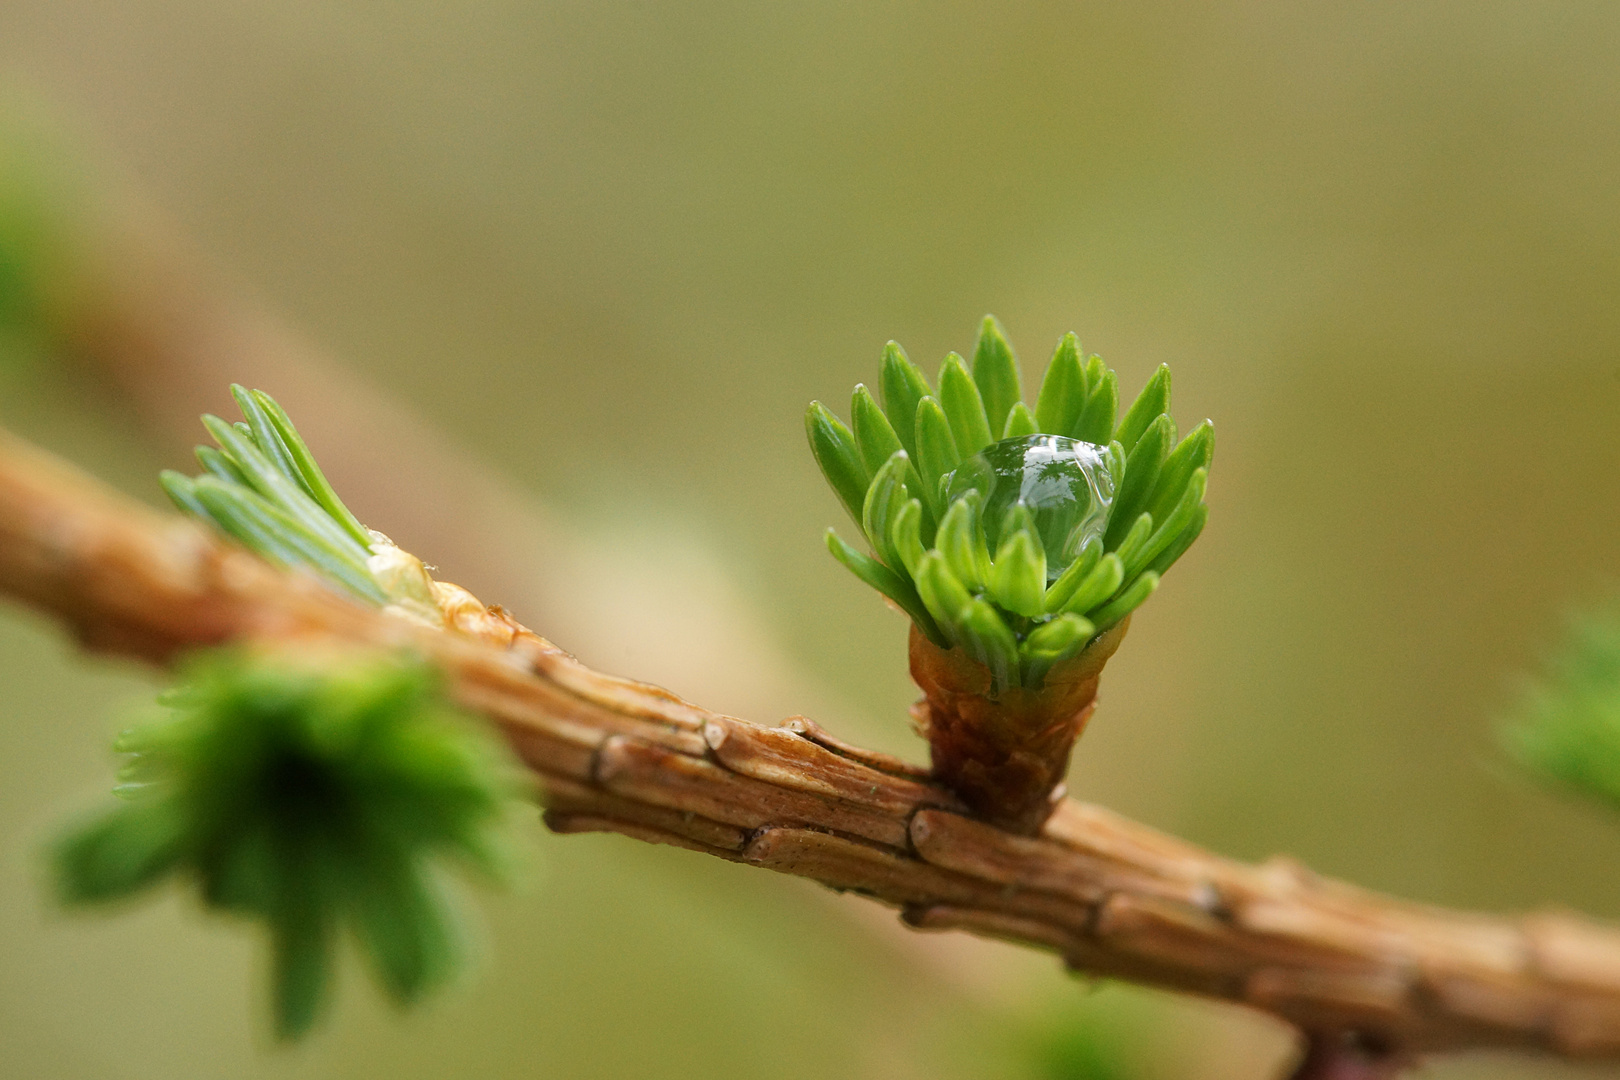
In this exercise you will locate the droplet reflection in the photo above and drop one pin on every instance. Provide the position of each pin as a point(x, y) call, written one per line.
point(1064, 483)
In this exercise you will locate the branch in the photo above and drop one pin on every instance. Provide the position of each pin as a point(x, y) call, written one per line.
point(1110, 896)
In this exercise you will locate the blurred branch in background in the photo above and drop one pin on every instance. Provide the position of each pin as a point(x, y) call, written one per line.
point(96, 275)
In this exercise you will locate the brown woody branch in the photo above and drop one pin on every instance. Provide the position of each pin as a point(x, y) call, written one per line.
point(1110, 896)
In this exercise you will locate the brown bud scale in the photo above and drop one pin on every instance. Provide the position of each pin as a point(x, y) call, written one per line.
point(1005, 755)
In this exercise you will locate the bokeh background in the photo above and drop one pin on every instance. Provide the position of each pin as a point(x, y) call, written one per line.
point(589, 261)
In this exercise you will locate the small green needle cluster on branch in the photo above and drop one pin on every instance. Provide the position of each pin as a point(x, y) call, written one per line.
point(1567, 729)
point(309, 789)
point(312, 792)
point(262, 487)
point(1017, 534)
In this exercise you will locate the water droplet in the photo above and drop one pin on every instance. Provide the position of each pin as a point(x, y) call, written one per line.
point(1064, 483)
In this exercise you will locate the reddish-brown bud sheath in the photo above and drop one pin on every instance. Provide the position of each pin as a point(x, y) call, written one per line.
point(1005, 755)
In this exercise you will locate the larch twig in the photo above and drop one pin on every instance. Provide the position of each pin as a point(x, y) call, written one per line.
point(1111, 897)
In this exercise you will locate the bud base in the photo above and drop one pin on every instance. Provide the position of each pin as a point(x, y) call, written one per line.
point(1005, 756)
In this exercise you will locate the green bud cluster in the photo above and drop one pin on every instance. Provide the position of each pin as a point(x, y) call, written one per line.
point(310, 792)
point(893, 468)
point(262, 487)
point(1566, 728)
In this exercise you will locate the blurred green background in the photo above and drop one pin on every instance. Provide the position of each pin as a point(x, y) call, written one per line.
point(612, 250)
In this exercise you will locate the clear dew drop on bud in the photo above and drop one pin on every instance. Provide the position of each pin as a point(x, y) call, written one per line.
point(1064, 484)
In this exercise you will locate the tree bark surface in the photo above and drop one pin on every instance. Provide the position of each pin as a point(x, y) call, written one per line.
point(1111, 897)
